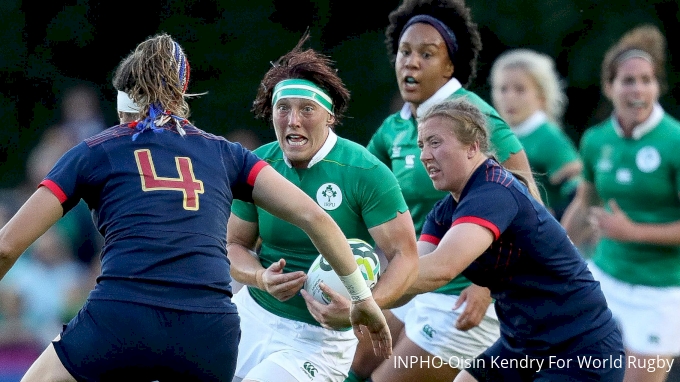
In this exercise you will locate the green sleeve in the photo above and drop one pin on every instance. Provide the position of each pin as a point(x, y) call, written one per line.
point(503, 141)
point(560, 152)
point(244, 210)
point(381, 195)
point(377, 146)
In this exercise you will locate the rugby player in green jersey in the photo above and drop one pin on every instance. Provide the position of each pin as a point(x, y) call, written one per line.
point(631, 195)
point(287, 335)
point(527, 93)
point(434, 46)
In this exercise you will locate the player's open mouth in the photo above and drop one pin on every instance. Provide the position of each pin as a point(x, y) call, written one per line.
point(410, 82)
point(296, 140)
point(637, 103)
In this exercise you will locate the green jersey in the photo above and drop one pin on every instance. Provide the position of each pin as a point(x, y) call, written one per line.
point(396, 144)
point(548, 149)
point(356, 189)
point(642, 174)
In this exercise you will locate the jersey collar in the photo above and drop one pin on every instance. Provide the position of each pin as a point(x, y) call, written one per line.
point(645, 127)
point(530, 124)
point(443, 93)
point(323, 151)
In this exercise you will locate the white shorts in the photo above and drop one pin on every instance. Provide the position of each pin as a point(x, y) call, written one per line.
point(431, 325)
point(649, 317)
point(401, 312)
point(308, 352)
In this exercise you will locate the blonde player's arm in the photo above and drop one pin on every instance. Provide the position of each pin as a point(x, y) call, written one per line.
point(33, 219)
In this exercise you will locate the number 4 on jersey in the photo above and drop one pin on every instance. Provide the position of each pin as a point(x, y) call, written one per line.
point(187, 182)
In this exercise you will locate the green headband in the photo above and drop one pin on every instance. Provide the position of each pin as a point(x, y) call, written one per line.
point(297, 88)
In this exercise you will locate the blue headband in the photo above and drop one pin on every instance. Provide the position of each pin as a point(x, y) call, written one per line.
point(446, 32)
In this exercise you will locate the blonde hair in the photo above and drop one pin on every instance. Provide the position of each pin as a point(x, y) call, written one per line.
point(541, 68)
point(150, 76)
point(646, 38)
point(469, 126)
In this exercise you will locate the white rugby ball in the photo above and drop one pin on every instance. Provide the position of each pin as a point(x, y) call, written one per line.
point(321, 271)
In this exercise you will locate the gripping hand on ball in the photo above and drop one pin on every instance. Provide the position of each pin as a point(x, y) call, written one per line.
point(333, 316)
point(281, 285)
point(366, 316)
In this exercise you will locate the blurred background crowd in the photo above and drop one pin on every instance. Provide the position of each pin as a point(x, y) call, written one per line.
point(58, 59)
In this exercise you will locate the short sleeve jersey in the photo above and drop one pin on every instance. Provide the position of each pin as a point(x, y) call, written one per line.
point(356, 189)
point(161, 201)
point(545, 296)
point(643, 177)
point(549, 149)
point(395, 143)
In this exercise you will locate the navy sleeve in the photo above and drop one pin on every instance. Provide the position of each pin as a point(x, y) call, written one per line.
point(70, 176)
point(247, 165)
point(438, 220)
point(490, 205)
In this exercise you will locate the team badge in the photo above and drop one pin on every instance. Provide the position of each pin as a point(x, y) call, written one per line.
point(648, 159)
point(329, 196)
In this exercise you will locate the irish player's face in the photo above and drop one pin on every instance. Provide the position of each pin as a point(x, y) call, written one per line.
point(423, 64)
point(301, 128)
point(516, 95)
point(634, 91)
point(445, 158)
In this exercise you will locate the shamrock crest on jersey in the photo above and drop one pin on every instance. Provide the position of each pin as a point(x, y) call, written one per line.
point(329, 196)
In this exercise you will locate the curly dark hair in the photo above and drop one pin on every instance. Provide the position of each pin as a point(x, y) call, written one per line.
point(456, 15)
point(302, 64)
point(647, 38)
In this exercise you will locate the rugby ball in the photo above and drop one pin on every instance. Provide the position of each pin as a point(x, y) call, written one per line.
point(321, 271)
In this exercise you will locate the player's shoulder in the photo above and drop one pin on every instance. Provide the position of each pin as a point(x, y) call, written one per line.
point(270, 150)
point(118, 131)
point(351, 154)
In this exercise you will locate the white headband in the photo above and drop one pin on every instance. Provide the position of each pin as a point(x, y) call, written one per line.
point(126, 104)
point(635, 53)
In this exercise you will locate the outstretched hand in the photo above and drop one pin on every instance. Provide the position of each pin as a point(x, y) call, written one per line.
point(333, 316)
point(365, 316)
point(477, 300)
point(281, 285)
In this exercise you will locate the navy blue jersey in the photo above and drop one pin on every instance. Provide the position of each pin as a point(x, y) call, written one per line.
point(161, 202)
point(545, 296)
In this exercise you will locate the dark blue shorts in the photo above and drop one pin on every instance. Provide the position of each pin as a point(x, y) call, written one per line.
point(603, 361)
point(120, 341)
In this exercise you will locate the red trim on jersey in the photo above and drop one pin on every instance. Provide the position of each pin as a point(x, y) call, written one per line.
point(56, 190)
point(430, 239)
point(479, 221)
point(255, 171)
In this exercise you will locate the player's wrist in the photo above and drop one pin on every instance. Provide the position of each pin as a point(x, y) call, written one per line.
point(259, 280)
point(356, 286)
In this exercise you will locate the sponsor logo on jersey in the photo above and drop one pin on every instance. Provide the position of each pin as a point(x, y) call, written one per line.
point(648, 159)
point(604, 164)
point(329, 196)
point(310, 369)
point(410, 161)
point(624, 176)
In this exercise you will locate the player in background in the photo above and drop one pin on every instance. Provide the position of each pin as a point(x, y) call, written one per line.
point(631, 195)
point(434, 46)
point(287, 335)
point(527, 93)
point(160, 192)
point(494, 230)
